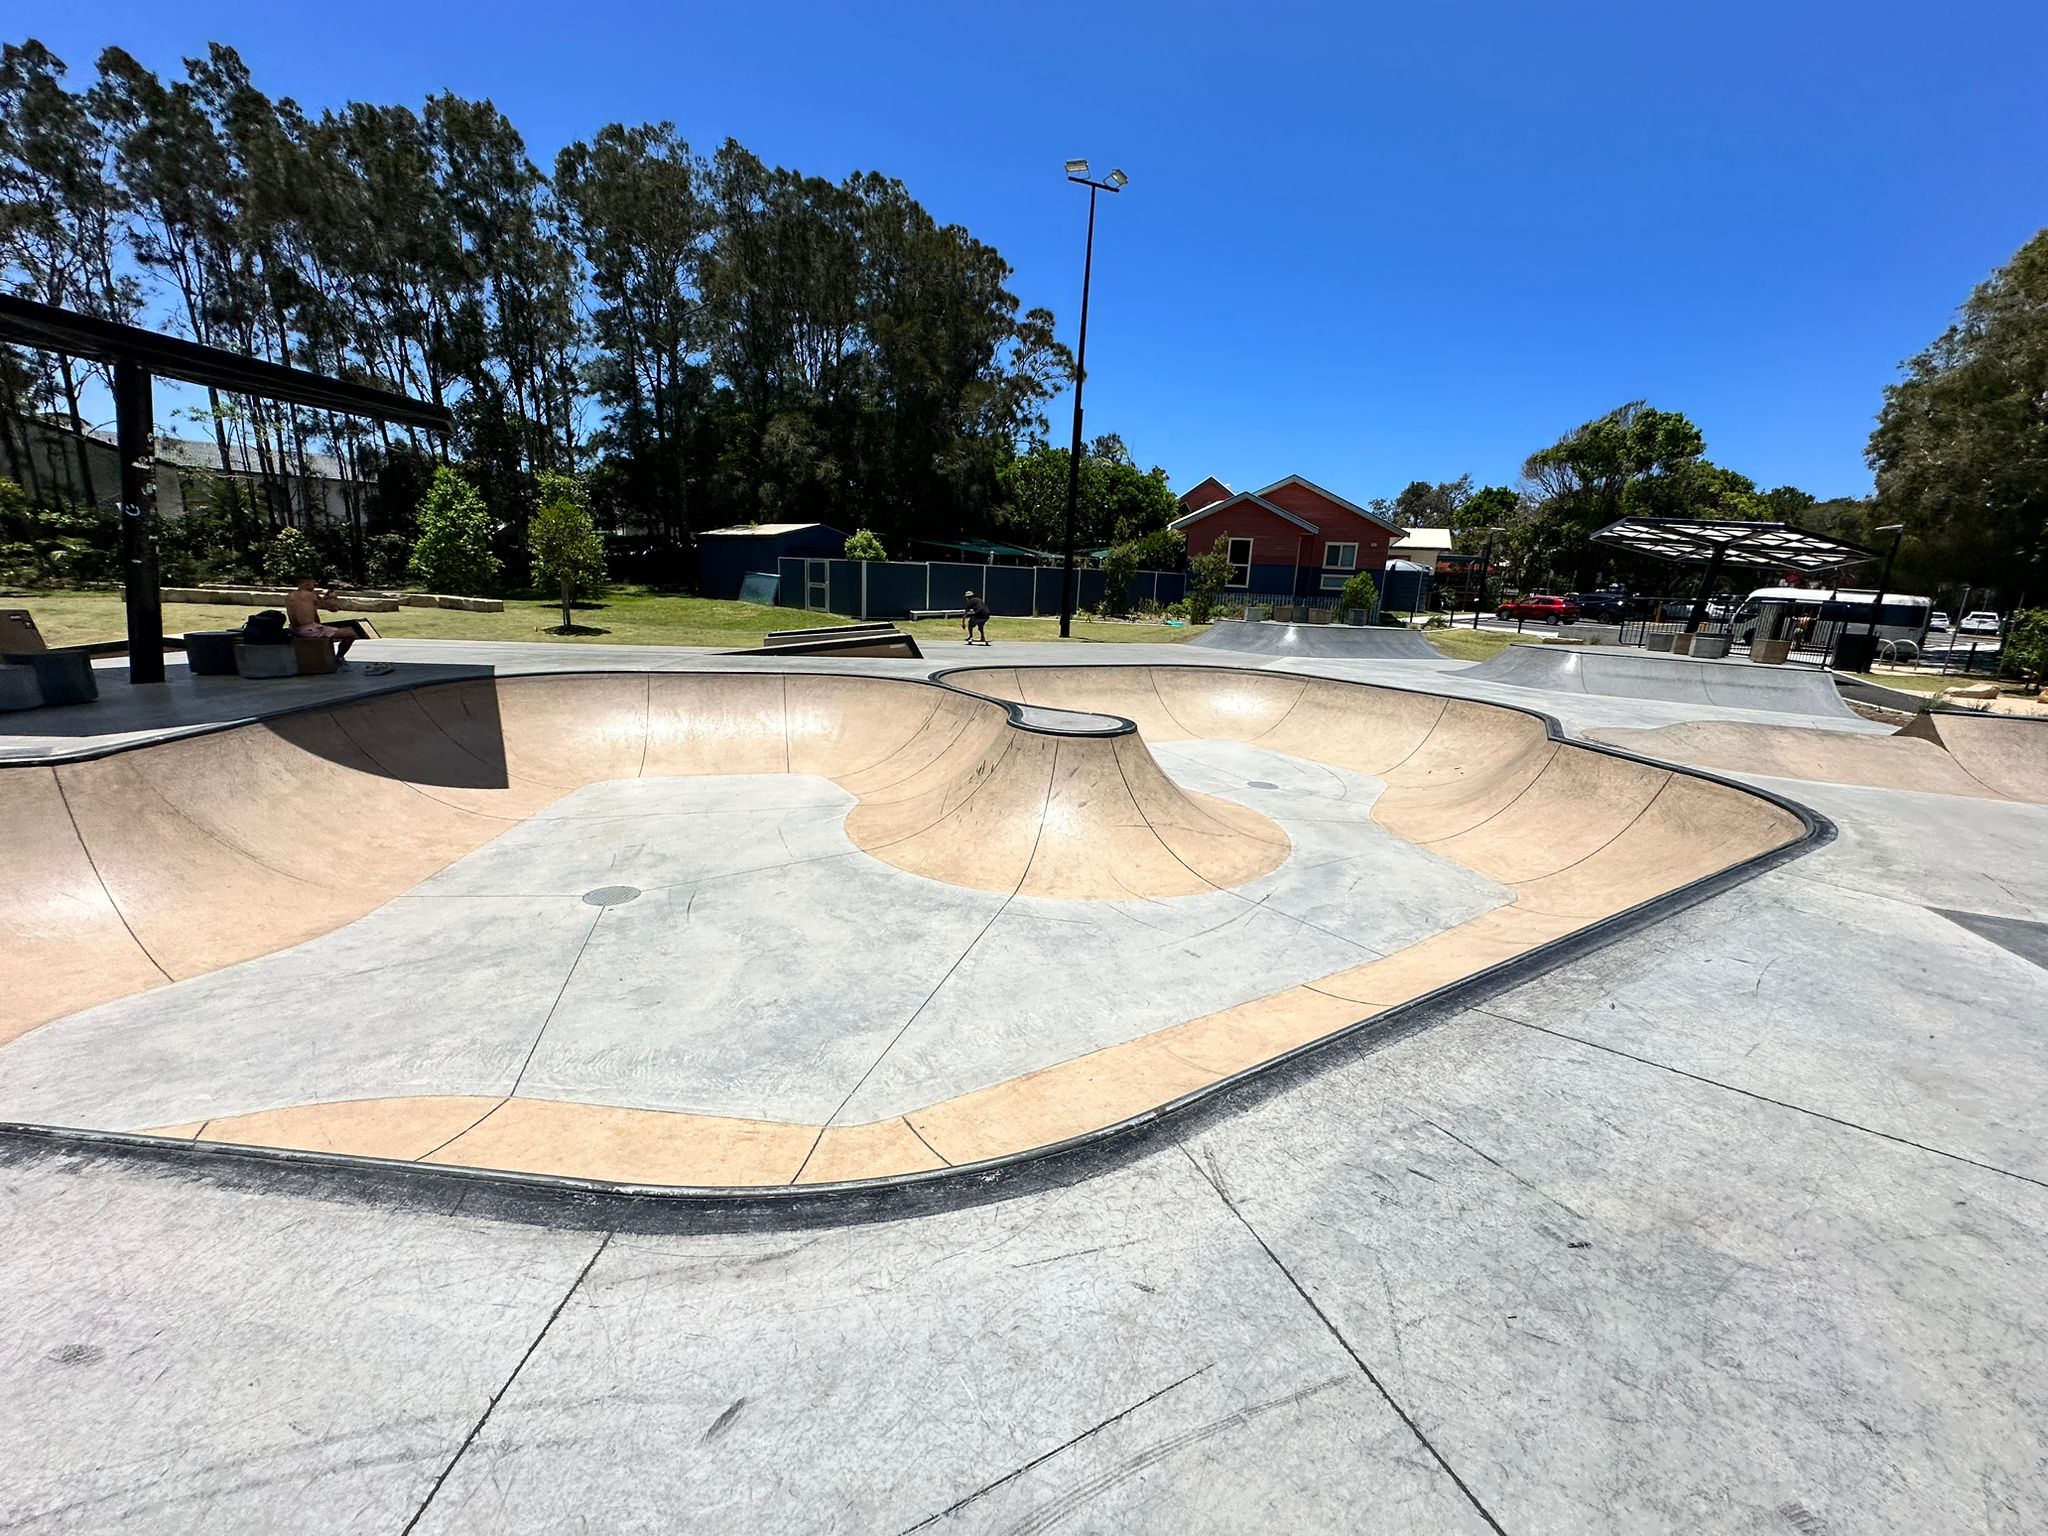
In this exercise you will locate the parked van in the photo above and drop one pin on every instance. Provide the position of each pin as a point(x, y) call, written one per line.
point(1832, 609)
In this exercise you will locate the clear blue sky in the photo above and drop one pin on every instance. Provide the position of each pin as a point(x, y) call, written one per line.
point(1367, 244)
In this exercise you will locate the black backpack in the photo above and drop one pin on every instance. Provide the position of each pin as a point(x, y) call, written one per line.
point(265, 628)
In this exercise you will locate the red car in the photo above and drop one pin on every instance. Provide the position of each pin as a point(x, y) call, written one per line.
point(1547, 610)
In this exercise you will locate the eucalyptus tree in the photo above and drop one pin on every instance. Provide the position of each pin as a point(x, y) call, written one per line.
point(634, 205)
point(61, 207)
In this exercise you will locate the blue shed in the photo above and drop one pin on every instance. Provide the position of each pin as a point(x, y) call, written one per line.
point(725, 556)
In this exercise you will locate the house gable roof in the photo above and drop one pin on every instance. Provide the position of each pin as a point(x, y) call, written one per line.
point(1332, 497)
point(1205, 493)
point(1243, 498)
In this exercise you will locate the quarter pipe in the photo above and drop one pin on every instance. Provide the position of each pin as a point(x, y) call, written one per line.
point(1330, 640)
point(1670, 679)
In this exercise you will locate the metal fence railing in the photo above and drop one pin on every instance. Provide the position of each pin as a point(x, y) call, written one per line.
point(1941, 653)
point(1289, 610)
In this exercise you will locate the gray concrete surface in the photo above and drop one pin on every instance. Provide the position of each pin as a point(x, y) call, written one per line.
point(1349, 640)
point(768, 969)
point(1736, 1225)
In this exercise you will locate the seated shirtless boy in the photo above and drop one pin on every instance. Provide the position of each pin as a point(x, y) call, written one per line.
point(302, 608)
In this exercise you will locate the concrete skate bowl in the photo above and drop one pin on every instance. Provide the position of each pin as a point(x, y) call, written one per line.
point(1336, 641)
point(146, 877)
point(1941, 752)
point(1725, 684)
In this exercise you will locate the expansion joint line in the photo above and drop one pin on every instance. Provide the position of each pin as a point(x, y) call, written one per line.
point(1764, 1098)
point(489, 1408)
point(1336, 1333)
point(958, 961)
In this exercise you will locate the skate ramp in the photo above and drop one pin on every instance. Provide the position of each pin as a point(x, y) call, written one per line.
point(186, 858)
point(2007, 754)
point(1351, 641)
point(1667, 679)
point(1974, 756)
point(178, 859)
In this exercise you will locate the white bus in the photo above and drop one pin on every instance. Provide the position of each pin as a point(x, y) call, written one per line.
point(1832, 609)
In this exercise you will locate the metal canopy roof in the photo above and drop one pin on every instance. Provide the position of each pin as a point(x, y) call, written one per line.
point(987, 548)
point(1699, 542)
point(30, 324)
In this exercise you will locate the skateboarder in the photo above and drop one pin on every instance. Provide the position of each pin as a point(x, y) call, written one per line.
point(974, 619)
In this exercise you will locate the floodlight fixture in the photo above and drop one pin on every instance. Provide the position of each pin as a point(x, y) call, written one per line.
point(1077, 167)
point(1117, 179)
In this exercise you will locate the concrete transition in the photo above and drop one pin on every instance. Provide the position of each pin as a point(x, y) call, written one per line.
point(1336, 640)
point(172, 861)
point(1986, 757)
point(1788, 690)
point(2007, 754)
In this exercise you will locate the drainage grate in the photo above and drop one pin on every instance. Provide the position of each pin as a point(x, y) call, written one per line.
point(611, 895)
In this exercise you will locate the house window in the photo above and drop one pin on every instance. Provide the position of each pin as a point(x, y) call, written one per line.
point(1339, 557)
point(1239, 554)
point(1336, 583)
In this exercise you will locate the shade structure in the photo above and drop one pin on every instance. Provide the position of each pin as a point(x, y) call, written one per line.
point(135, 357)
point(1698, 541)
point(1713, 544)
point(45, 326)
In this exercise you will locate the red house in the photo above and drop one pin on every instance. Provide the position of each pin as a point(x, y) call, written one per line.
point(1293, 539)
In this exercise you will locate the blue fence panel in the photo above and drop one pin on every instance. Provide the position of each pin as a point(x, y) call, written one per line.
point(894, 588)
point(1009, 589)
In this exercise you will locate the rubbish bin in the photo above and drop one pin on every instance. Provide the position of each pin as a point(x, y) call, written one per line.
point(1854, 652)
point(211, 652)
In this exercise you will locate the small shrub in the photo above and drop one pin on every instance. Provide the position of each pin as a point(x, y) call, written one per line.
point(2026, 643)
point(386, 555)
point(42, 545)
point(1206, 576)
point(1119, 566)
point(1177, 609)
point(564, 543)
point(290, 552)
point(864, 544)
point(453, 553)
point(1360, 592)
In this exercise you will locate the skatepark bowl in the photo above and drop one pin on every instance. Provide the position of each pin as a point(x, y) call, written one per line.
point(718, 931)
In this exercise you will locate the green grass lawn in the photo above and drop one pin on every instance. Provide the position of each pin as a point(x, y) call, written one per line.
point(628, 617)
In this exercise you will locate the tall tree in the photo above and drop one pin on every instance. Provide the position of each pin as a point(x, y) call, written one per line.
point(60, 206)
point(1961, 445)
point(633, 203)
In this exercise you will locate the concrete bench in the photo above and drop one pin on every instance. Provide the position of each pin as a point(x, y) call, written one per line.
point(300, 657)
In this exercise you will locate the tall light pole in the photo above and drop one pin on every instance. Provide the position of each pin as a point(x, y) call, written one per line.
point(1077, 171)
point(1898, 532)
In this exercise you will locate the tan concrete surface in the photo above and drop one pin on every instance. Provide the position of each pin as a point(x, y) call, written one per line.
point(628, 1146)
point(402, 1129)
point(1802, 752)
point(2008, 756)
